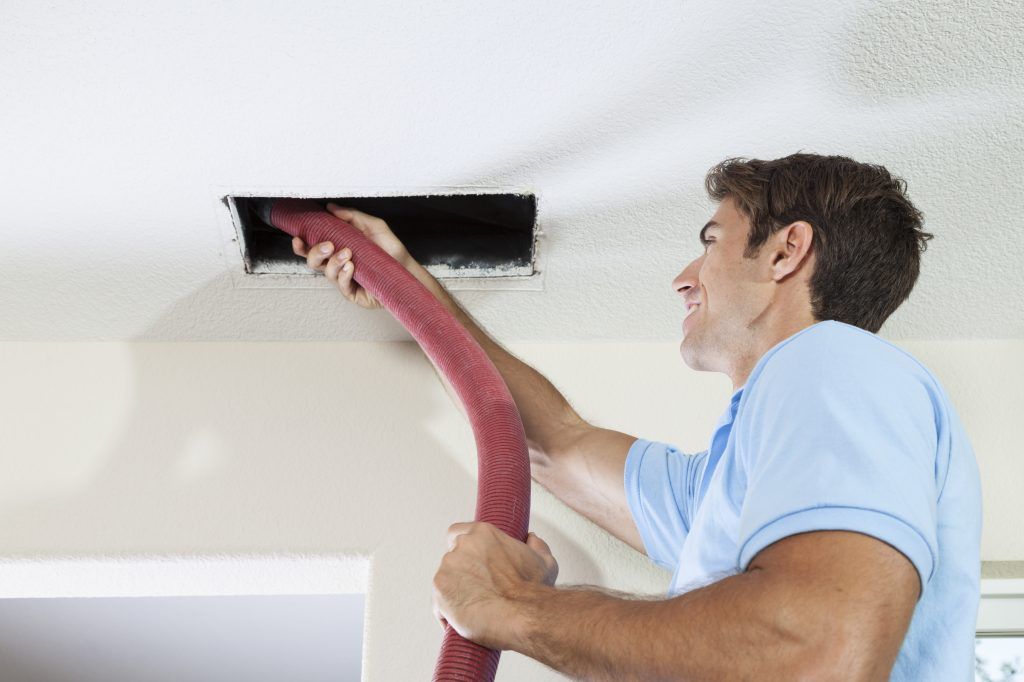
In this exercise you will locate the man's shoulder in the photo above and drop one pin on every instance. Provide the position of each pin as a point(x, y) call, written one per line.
point(831, 360)
point(832, 383)
point(832, 350)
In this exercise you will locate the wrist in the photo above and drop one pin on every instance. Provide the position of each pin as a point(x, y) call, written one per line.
point(526, 616)
point(416, 270)
point(406, 260)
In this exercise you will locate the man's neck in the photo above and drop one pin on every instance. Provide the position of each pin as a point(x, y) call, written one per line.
point(765, 342)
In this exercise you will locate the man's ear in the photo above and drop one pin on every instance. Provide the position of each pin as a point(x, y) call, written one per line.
point(791, 248)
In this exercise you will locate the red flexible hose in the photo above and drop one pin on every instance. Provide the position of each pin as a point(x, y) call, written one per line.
point(503, 487)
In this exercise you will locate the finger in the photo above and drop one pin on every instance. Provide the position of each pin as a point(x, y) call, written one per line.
point(331, 268)
point(363, 297)
point(435, 604)
point(318, 255)
point(335, 262)
point(457, 529)
point(364, 222)
point(299, 247)
point(439, 617)
point(334, 273)
point(345, 283)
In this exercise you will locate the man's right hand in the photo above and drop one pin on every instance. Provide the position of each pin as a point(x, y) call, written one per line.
point(340, 268)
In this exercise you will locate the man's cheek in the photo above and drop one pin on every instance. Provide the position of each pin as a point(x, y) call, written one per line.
point(708, 277)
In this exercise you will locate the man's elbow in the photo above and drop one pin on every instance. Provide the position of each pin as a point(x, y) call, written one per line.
point(842, 657)
point(809, 643)
point(844, 598)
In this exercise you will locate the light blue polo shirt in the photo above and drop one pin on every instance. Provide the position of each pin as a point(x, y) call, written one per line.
point(835, 429)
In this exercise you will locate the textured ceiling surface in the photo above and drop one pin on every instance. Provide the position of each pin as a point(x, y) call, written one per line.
point(123, 123)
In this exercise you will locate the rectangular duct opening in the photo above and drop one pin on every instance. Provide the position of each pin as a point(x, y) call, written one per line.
point(451, 235)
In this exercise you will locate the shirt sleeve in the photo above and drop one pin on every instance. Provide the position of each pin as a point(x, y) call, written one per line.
point(836, 440)
point(661, 484)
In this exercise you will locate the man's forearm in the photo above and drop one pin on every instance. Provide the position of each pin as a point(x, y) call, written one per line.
point(723, 631)
point(544, 410)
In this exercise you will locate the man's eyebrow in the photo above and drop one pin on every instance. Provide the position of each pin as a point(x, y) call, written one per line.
point(710, 223)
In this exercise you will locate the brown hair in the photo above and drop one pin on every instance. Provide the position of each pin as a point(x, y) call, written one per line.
point(867, 235)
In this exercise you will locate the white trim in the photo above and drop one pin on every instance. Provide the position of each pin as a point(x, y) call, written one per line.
point(191, 575)
point(1002, 606)
point(206, 575)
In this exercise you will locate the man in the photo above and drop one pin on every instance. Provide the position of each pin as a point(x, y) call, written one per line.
point(831, 530)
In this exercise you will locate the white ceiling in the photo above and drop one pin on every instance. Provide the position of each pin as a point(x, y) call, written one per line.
point(122, 124)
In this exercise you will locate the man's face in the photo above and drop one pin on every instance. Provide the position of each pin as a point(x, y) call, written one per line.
point(723, 293)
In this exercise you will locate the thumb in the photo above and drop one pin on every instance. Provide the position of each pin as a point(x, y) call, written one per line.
point(343, 213)
point(365, 223)
point(541, 548)
point(537, 545)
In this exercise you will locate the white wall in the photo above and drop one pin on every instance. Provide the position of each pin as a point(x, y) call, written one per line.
point(114, 449)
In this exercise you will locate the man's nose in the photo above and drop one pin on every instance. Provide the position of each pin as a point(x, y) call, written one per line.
point(687, 279)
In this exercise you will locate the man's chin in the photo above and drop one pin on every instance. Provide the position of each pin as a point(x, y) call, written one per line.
point(692, 350)
point(688, 349)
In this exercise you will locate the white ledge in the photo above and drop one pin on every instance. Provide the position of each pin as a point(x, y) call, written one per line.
point(181, 575)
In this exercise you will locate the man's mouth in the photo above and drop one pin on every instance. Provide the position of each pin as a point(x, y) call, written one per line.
point(689, 314)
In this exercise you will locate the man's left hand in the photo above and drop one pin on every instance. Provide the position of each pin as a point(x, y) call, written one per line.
point(483, 578)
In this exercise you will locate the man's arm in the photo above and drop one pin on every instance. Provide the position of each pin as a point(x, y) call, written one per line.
point(580, 463)
point(822, 605)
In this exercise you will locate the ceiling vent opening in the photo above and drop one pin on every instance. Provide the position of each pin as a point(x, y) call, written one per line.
point(454, 236)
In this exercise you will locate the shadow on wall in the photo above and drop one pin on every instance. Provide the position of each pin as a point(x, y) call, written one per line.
point(272, 447)
point(266, 448)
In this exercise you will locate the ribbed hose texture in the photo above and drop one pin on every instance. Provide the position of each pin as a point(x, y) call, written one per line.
point(503, 486)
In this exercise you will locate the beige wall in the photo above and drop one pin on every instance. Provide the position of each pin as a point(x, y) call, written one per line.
point(115, 449)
